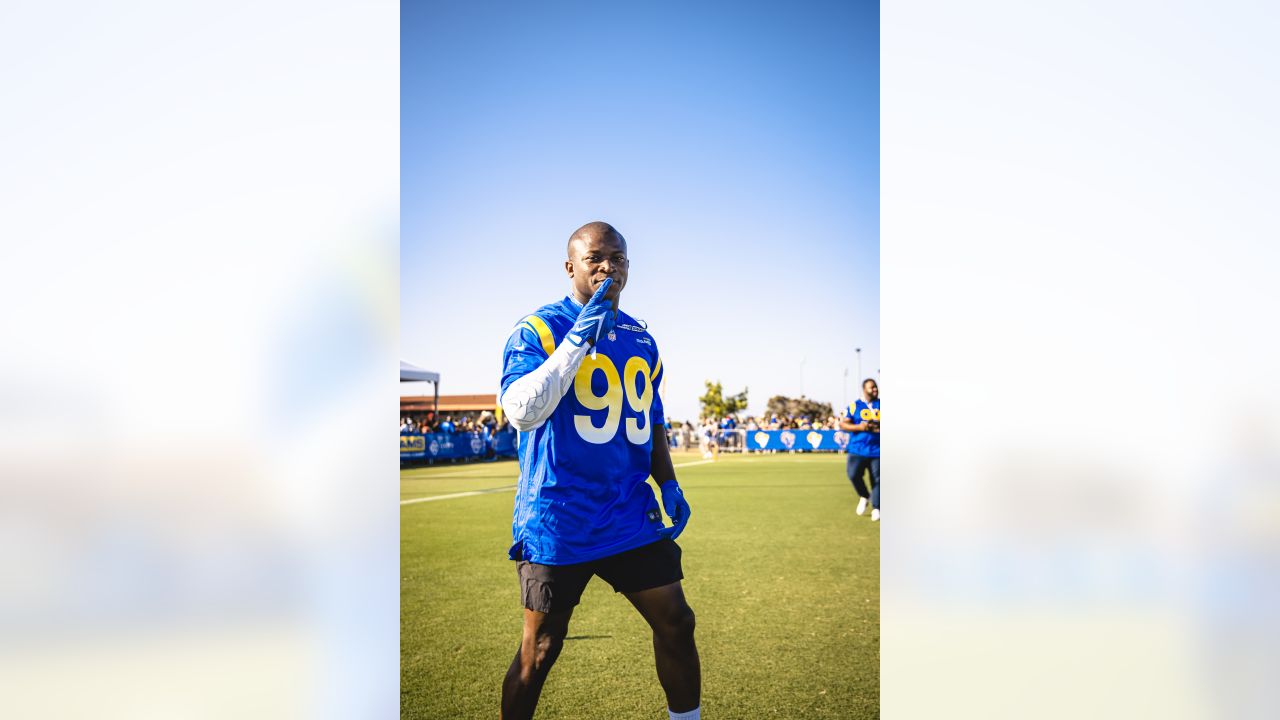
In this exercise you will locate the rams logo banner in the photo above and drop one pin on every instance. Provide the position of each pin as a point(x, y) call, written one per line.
point(412, 444)
point(831, 440)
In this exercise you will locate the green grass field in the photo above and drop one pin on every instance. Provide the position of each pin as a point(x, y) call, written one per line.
point(783, 576)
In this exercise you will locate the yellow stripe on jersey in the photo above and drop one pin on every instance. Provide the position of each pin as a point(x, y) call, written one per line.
point(544, 332)
point(656, 369)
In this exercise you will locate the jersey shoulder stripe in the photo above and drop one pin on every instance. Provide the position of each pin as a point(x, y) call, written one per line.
point(656, 369)
point(542, 330)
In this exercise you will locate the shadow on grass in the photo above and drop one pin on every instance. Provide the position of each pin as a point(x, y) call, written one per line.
point(588, 637)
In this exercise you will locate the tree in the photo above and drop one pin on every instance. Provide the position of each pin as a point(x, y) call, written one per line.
point(716, 405)
point(783, 406)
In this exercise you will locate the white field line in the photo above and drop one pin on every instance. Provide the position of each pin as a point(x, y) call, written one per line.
point(458, 474)
point(456, 495)
point(451, 496)
point(695, 462)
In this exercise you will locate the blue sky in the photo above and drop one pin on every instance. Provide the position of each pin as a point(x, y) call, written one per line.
point(735, 146)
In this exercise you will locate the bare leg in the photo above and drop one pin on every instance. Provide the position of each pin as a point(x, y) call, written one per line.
point(674, 651)
point(539, 647)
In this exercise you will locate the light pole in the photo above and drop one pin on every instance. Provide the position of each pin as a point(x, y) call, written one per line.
point(844, 388)
point(858, 352)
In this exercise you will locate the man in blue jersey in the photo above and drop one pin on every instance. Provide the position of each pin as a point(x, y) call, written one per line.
point(862, 418)
point(579, 382)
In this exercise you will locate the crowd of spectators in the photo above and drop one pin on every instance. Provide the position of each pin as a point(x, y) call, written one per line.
point(773, 422)
point(481, 422)
point(770, 422)
point(679, 435)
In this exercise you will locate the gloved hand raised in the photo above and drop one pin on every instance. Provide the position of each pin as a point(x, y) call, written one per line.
point(677, 509)
point(596, 319)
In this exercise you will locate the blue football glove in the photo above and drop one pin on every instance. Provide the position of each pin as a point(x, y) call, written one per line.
point(677, 509)
point(596, 319)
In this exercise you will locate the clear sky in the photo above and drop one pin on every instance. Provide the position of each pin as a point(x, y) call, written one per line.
point(734, 145)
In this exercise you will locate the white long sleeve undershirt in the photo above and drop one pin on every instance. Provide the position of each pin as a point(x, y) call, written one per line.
point(530, 400)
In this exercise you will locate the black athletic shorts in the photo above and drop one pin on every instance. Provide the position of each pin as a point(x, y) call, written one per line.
point(556, 588)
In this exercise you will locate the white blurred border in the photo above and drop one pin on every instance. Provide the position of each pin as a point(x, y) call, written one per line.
point(199, 211)
point(1079, 274)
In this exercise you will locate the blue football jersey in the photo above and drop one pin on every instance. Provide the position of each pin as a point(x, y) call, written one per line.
point(866, 444)
point(582, 493)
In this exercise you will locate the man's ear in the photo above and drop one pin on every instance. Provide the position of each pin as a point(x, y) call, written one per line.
point(568, 267)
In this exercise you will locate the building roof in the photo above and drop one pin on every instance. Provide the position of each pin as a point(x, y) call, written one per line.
point(449, 403)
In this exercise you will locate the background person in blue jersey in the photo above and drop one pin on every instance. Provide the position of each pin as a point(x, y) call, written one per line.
point(580, 381)
point(862, 418)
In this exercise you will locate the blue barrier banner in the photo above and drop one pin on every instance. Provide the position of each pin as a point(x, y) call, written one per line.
point(504, 443)
point(805, 440)
point(457, 446)
point(452, 446)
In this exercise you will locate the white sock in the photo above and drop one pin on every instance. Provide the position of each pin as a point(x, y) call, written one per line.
point(694, 714)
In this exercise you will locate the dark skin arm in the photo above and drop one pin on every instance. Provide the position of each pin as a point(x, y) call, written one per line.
point(660, 458)
point(867, 426)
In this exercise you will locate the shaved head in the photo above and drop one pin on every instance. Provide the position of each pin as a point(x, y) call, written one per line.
point(596, 251)
point(597, 230)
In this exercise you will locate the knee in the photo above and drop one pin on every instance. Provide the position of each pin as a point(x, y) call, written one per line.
point(546, 649)
point(679, 624)
point(538, 656)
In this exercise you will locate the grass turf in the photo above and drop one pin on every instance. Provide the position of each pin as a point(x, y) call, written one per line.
point(783, 577)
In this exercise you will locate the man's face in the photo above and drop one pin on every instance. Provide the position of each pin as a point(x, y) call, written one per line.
point(872, 390)
point(592, 260)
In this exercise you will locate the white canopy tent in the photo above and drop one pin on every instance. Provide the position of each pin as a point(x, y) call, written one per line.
point(412, 373)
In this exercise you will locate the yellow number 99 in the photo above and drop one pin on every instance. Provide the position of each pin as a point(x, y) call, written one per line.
point(635, 433)
point(640, 401)
point(612, 399)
